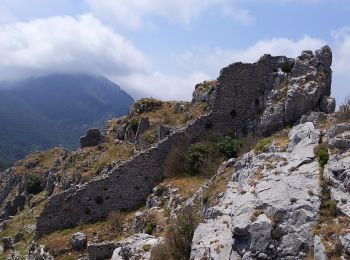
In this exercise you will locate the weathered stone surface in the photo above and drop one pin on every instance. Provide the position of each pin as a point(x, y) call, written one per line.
point(92, 138)
point(234, 107)
point(260, 232)
point(327, 104)
point(345, 241)
point(79, 241)
point(7, 243)
point(136, 247)
point(164, 131)
point(337, 171)
point(38, 252)
point(319, 249)
point(101, 251)
point(144, 125)
point(269, 207)
point(313, 117)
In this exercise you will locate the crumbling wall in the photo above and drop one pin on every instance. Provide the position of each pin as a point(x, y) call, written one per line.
point(249, 98)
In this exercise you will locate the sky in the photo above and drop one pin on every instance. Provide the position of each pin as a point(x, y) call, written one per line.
point(163, 48)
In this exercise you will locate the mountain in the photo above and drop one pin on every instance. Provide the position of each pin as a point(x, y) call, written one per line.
point(54, 110)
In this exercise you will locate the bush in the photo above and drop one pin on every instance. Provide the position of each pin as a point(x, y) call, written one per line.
point(178, 239)
point(229, 147)
point(150, 226)
point(116, 220)
point(198, 157)
point(33, 185)
point(287, 67)
point(321, 151)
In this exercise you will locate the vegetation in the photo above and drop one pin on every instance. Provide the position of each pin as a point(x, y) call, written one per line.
point(287, 67)
point(33, 185)
point(178, 239)
point(37, 118)
point(202, 158)
point(321, 151)
point(263, 145)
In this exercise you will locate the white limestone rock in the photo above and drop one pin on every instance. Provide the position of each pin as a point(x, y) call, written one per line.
point(136, 247)
point(282, 189)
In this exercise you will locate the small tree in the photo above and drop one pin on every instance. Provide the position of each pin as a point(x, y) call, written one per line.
point(33, 185)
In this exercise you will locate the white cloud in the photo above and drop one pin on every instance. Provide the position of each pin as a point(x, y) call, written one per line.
point(341, 63)
point(65, 44)
point(135, 13)
point(212, 60)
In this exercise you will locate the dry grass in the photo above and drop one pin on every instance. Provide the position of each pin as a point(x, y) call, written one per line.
point(344, 111)
point(186, 186)
point(218, 186)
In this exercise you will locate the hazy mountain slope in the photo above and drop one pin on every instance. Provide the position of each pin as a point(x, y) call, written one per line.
point(55, 110)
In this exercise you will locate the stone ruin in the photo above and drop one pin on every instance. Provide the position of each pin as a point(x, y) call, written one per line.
point(257, 98)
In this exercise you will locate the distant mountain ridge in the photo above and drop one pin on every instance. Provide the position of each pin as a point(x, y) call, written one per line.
point(54, 110)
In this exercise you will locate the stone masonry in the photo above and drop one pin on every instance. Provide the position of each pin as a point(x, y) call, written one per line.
point(254, 98)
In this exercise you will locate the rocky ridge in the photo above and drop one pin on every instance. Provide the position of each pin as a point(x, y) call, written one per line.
point(269, 199)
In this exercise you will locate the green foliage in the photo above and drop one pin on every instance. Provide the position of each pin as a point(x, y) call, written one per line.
point(287, 67)
point(150, 226)
point(229, 147)
point(33, 185)
point(321, 151)
point(198, 157)
point(201, 158)
point(37, 114)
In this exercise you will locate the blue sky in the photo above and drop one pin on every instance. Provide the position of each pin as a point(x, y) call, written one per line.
point(163, 48)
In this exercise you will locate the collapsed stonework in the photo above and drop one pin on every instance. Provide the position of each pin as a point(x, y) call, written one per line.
point(257, 98)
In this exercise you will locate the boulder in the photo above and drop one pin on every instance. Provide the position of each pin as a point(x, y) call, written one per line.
point(313, 117)
point(136, 247)
point(260, 233)
point(92, 138)
point(270, 206)
point(327, 104)
point(79, 241)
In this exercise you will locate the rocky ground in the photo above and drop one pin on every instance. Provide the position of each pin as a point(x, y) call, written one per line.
point(284, 196)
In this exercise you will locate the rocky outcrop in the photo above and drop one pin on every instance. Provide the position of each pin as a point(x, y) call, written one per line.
point(92, 138)
point(270, 206)
point(136, 247)
point(79, 241)
point(255, 98)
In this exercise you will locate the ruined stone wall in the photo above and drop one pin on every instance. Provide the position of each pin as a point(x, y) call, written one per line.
point(125, 188)
point(247, 97)
point(241, 92)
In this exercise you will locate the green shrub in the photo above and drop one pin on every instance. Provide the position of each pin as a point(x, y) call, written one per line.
point(198, 156)
point(229, 147)
point(33, 185)
point(150, 226)
point(287, 67)
point(321, 151)
point(179, 236)
point(134, 124)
